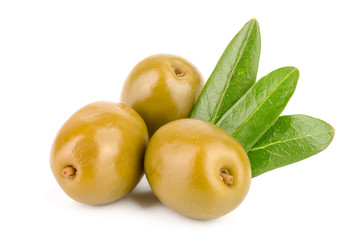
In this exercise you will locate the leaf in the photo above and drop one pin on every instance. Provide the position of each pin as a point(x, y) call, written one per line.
point(292, 138)
point(233, 75)
point(253, 114)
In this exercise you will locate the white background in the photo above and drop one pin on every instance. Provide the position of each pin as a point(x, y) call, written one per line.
point(56, 56)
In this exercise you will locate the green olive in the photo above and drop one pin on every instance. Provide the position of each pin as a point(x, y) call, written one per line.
point(162, 88)
point(97, 155)
point(197, 169)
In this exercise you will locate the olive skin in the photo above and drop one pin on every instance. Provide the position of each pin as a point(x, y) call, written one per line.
point(162, 88)
point(97, 155)
point(197, 169)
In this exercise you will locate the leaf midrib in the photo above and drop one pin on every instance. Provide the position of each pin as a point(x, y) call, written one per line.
point(263, 102)
point(231, 74)
point(289, 140)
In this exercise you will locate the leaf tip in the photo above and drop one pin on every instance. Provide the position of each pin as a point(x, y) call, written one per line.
point(254, 20)
point(294, 70)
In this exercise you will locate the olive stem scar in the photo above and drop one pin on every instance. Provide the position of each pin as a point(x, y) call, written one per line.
point(227, 178)
point(69, 171)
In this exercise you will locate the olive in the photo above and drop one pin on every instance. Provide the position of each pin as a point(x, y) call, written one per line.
point(162, 88)
point(97, 155)
point(197, 169)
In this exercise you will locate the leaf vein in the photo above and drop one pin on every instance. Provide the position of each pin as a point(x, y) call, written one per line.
point(231, 74)
point(288, 140)
point(263, 102)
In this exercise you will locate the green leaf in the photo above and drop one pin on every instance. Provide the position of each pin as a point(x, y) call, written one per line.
point(233, 75)
point(292, 138)
point(253, 114)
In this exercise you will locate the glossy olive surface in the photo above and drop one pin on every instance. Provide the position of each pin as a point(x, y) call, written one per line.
point(97, 155)
point(162, 88)
point(197, 169)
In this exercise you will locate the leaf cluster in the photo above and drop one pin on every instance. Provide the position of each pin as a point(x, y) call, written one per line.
point(250, 111)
